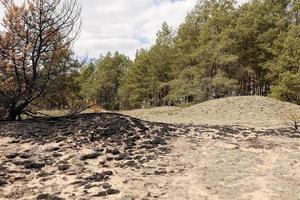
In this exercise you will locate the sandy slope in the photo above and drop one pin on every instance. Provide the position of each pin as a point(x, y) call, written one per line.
point(141, 160)
point(250, 111)
point(197, 163)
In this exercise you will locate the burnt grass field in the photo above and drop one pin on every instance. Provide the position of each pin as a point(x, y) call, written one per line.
point(84, 156)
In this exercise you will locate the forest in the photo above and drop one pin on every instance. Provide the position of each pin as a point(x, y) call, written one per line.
point(222, 49)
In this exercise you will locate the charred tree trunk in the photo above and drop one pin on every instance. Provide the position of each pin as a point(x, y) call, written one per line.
point(14, 112)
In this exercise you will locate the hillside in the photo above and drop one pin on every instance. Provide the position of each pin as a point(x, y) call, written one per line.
point(112, 156)
point(116, 157)
point(246, 110)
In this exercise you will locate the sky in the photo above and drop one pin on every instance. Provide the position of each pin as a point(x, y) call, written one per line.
point(125, 25)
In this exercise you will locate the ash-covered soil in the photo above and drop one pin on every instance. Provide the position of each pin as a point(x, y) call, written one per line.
point(113, 156)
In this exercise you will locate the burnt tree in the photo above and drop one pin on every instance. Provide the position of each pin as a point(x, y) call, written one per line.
point(37, 38)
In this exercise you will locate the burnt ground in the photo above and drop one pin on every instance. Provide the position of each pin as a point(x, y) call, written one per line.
point(83, 157)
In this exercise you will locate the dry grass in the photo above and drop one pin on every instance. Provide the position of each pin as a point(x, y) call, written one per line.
point(251, 110)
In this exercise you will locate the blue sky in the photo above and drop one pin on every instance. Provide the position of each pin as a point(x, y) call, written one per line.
point(125, 25)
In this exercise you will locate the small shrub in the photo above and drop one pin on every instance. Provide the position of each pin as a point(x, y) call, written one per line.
point(292, 120)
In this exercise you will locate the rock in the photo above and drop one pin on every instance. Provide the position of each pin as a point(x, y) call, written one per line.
point(128, 198)
point(108, 173)
point(63, 167)
point(137, 157)
point(160, 172)
point(100, 149)
point(47, 197)
point(115, 152)
point(51, 149)
point(14, 141)
point(81, 183)
point(89, 186)
point(90, 156)
point(101, 194)
point(112, 191)
point(102, 162)
point(97, 177)
point(131, 163)
point(2, 182)
point(34, 165)
point(25, 155)
point(56, 155)
point(43, 174)
point(109, 158)
point(158, 140)
point(129, 144)
point(106, 186)
point(12, 156)
point(120, 157)
point(20, 178)
point(60, 139)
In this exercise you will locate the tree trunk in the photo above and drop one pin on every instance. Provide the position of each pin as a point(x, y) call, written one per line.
point(14, 113)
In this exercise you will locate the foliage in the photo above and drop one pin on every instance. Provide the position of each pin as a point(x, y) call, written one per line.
point(292, 120)
point(33, 47)
point(101, 80)
point(222, 49)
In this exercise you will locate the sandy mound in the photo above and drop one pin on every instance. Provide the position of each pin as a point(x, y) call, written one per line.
point(249, 110)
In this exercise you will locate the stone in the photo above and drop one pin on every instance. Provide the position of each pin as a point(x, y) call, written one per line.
point(56, 155)
point(115, 152)
point(102, 162)
point(89, 186)
point(101, 194)
point(131, 163)
point(127, 197)
point(25, 155)
point(106, 186)
point(112, 191)
point(51, 149)
point(120, 157)
point(12, 156)
point(14, 141)
point(160, 172)
point(108, 173)
point(2, 182)
point(63, 167)
point(97, 177)
point(47, 197)
point(158, 140)
point(34, 165)
point(20, 178)
point(109, 158)
point(90, 156)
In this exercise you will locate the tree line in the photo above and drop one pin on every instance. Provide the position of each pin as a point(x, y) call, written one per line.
point(222, 49)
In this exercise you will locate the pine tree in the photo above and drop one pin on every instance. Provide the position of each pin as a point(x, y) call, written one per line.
point(104, 80)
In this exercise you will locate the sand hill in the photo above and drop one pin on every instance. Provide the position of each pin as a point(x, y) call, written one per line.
point(117, 157)
point(246, 110)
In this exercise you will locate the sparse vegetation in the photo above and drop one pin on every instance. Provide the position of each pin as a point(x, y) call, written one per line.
point(292, 120)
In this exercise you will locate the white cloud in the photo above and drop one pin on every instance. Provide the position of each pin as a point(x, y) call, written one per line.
point(125, 25)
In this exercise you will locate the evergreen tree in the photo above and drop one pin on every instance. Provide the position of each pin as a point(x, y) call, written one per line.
point(102, 86)
point(136, 90)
